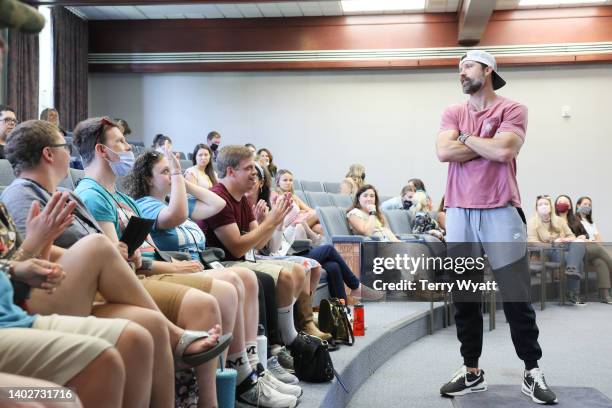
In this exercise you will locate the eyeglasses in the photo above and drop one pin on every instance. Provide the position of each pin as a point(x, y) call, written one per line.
point(8, 121)
point(67, 146)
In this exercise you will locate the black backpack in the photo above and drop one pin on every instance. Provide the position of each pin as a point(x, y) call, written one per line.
point(333, 319)
point(311, 359)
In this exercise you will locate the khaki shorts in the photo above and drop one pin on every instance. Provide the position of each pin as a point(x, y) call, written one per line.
point(168, 290)
point(57, 348)
point(268, 266)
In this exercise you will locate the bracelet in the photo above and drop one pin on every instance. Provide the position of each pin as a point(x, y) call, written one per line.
point(22, 254)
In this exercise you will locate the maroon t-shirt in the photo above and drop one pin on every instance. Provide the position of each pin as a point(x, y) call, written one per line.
point(238, 212)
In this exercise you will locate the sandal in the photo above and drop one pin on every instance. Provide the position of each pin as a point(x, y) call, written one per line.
point(184, 361)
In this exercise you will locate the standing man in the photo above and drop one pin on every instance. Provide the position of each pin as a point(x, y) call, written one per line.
point(480, 139)
point(213, 140)
point(8, 121)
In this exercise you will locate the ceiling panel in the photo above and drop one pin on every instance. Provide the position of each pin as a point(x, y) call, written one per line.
point(249, 10)
point(268, 9)
point(290, 9)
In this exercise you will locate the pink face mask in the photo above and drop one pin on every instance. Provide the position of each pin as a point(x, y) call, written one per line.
point(544, 210)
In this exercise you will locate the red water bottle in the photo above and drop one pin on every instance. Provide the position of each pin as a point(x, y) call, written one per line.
point(359, 320)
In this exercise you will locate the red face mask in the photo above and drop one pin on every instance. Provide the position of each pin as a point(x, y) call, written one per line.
point(562, 207)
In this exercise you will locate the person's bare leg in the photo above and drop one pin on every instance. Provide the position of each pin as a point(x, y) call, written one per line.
point(101, 394)
point(136, 348)
point(92, 264)
point(315, 275)
point(200, 311)
point(17, 381)
point(162, 369)
point(229, 291)
point(300, 283)
point(285, 291)
point(251, 303)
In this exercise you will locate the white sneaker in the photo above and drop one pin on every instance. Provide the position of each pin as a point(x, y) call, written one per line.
point(260, 394)
point(274, 383)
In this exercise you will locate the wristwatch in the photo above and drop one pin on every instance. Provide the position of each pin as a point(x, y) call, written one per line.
point(463, 137)
point(372, 212)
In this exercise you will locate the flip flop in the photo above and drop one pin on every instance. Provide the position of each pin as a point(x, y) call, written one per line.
point(184, 361)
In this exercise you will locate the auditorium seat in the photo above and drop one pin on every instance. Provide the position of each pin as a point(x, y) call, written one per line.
point(76, 175)
point(6, 173)
point(67, 183)
point(331, 187)
point(297, 185)
point(314, 186)
point(399, 221)
point(182, 156)
point(301, 196)
point(318, 199)
point(185, 164)
point(341, 200)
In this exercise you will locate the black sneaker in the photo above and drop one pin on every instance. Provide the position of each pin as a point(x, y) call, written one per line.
point(464, 382)
point(535, 386)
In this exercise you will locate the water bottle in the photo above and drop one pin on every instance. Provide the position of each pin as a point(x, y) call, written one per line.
point(359, 320)
point(262, 346)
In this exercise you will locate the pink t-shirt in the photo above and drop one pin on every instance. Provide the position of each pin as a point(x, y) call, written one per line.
point(482, 183)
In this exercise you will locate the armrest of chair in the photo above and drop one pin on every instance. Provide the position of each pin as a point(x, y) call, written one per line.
point(300, 245)
point(339, 239)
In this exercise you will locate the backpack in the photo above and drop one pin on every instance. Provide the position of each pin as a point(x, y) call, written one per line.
point(333, 319)
point(311, 359)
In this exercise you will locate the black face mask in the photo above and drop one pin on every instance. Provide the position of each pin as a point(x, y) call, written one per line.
point(406, 204)
point(214, 147)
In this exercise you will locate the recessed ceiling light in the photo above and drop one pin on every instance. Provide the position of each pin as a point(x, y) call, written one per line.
point(382, 5)
point(556, 2)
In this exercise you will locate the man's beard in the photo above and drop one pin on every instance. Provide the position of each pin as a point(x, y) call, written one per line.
point(471, 86)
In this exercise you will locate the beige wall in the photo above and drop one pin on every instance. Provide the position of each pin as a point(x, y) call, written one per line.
point(318, 123)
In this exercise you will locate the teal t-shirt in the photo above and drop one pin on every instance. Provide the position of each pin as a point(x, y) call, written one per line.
point(11, 315)
point(115, 207)
point(187, 237)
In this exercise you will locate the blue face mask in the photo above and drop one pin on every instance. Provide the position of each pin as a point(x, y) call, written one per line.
point(125, 164)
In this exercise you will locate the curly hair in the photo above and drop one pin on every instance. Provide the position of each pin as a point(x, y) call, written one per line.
point(135, 183)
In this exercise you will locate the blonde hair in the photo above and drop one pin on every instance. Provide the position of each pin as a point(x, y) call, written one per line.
point(280, 174)
point(356, 173)
point(351, 185)
point(556, 222)
point(420, 202)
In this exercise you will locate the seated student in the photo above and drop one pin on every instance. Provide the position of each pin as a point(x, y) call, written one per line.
point(422, 223)
point(39, 158)
point(365, 218)
point(51, 115)
point(71, 351)
point(404, 200)
point(18, 260)
point(348, 187)
point(300, 210)
point(584, 209)
point(155, 177)
point(9, 381)
point(265, 159)
point(401, 202)
point(356, 172)
point(159, 142)
point(238, 233)
point(546, 228)
point(338, 272)
point(252, 148)
point(202, 172)
point(596, 255)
